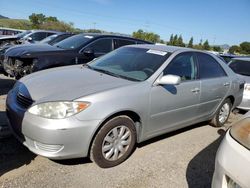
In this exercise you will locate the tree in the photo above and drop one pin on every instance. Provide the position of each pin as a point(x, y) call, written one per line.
point(217, 48)
point(51, 19)
point(234, 49)
point(206, 45)
point(149, 36)
point(175, 40)
point(171, 40)
point(37, 20)
point(245, 47)
point(180, 42)
point(190, 43)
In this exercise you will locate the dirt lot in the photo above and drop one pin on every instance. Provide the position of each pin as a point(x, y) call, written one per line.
point(183, 158)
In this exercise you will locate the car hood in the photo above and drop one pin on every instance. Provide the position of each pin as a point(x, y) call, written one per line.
point(67, 83)
point(28, 49)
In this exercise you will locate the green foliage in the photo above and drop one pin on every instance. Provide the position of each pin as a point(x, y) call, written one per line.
point(37, 20)
point(15, 23)
point(180, 42)
point(149, 36)
point(206, 45)
point(92, 31)
point(217, 49)
point(176, 41)
point(244, 48)
point(190, 43)
point(57, 26)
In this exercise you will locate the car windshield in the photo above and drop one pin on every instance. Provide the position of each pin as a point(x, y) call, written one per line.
point(21, 35)
point(73, 42)
point(48, 39)
point(131, 63)
point(240, 67)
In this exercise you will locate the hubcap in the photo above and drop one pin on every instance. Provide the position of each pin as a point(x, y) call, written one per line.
point(116, 143)
point(224, 113)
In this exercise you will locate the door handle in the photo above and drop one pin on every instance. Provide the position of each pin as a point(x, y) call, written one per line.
point(226, 84)
point(195, 90)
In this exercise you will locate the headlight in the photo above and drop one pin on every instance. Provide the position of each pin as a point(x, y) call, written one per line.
point(58, 110)
point(241, 132)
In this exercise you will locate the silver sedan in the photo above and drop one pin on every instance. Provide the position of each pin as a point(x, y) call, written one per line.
point(135, 93)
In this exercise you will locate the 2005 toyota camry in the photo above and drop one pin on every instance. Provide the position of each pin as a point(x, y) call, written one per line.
point(104, 108)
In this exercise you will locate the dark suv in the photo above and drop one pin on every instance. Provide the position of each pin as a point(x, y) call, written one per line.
point(78, 49)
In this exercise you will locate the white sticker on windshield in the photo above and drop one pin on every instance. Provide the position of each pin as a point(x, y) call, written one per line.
point(88, 36)
point(157, 52)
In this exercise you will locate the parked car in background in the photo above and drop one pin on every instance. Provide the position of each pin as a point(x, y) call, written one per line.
point(137, 92)
point(229, 57)
point(241, 66)
point(232, 164)
point(29, 36)
point(78, 49)
point(51, 40)
point(4, 31)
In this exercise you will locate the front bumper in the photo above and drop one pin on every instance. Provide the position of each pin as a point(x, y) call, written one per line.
point(55, 139)
point(232, 164)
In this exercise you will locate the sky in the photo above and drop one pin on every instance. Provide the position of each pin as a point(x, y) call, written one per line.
point(218, 21)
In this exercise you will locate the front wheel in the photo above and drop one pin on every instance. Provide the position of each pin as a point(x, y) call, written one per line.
point(222, 114)
point(114, 142)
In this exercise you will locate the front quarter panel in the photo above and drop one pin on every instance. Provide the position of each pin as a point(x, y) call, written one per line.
point(133, 98)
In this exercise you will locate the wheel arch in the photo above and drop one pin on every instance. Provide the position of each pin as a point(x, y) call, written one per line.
point(131, 114)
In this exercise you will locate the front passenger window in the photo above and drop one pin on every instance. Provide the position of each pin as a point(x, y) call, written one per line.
point(182, 65)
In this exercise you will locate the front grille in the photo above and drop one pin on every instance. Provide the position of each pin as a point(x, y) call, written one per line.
point(24, 101)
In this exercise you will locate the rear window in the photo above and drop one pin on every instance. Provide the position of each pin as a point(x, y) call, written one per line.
point(240, 67)
point(122, 42)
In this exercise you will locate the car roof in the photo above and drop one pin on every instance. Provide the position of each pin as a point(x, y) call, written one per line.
point(165, 48)
point(100, 35)
point(48, 31)
point(242, 58)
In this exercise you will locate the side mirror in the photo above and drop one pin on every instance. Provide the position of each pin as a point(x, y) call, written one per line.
point(88, 52)
point(29, 39)
point(169, 79)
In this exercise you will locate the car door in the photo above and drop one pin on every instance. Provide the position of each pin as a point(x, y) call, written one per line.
point(214, 83)
point(173, 106)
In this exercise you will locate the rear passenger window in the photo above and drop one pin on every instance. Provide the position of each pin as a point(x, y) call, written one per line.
point(122, 42)
point(101, 46)
point(183, 65)
point(209, 67)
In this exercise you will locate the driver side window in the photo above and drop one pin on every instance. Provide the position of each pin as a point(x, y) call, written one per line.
point(183, 65)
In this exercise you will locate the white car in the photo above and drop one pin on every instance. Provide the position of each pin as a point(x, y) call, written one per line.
point(232, 166)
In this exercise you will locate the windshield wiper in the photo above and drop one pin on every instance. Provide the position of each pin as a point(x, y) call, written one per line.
point(111, 73)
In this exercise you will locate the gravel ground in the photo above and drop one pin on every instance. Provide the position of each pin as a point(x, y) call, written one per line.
point(184, 158)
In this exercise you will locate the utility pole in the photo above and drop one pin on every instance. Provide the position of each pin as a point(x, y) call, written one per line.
point(94, 24)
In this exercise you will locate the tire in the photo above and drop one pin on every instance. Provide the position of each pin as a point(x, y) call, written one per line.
point(114, 142)
point(222, 114)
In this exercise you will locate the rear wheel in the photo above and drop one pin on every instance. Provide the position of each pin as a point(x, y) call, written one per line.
point(114, 142)
point(222, 114)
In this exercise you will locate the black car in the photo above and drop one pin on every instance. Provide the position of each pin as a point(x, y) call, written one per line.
point(51, 40)
point(78, 49)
